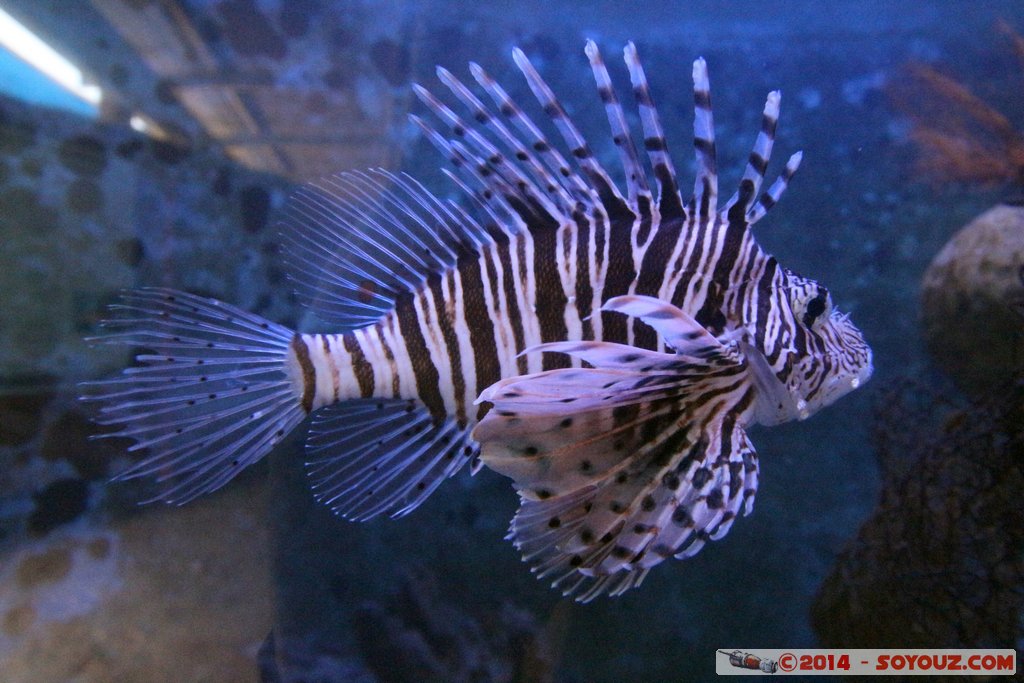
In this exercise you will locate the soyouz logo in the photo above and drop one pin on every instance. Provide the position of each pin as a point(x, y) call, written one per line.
point(745, 660)
point(965, 662)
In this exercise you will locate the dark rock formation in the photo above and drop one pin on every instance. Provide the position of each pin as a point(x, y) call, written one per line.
point(968, 298)
point(941, 561)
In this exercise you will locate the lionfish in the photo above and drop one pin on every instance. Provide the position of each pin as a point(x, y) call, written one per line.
point(606, 351)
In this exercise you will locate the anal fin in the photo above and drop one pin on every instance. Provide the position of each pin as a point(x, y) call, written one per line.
point(374, 456)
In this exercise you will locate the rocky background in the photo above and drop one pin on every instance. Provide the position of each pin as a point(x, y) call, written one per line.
point(94, 588)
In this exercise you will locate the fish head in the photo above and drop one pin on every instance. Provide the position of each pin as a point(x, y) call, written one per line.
point(807, 354)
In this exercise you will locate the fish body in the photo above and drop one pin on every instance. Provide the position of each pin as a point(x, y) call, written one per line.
point(605, 350)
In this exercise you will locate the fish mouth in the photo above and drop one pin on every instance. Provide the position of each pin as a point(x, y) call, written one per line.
point(842, 384)
point(777, 402)
point(866, 371)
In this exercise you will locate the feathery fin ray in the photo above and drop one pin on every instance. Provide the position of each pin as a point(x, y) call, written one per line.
point(670, 203)
point(355, 241)
point(213, 395)
point(381, 456)
point(618, 465)
point(534, 177)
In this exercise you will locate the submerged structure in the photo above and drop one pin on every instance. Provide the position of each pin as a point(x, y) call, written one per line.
point(941, 561)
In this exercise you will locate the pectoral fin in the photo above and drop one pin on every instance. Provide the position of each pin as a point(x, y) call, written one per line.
point(638, 458)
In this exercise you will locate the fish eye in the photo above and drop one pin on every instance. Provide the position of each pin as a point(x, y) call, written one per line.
point(818, 309)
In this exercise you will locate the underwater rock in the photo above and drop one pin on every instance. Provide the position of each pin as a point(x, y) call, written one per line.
point(221, 185)
point(119, 75)
point(970, 297)
point(338, 78)
point(297, 660)
point(170, 152)
point(84, 197)
point(161, 595)
point(67, 438)
point(166, 91)
point(249, 31)
point(83, 155)
point(392, 60)
point(58, 503)
point(52, 581)
point(129, 148)
point(131, 251)
point(341, 37)
point(21, 407)
point(940, 563)
point(49, 566)
point(417, 636)
point(24, 211)
point(295, 17)
point(254, 203)
point(16, 134)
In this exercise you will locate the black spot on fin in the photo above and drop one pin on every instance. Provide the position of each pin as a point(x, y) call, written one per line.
point(641, 464)
point(355, 241)
point(371, 456)
point(211, 397)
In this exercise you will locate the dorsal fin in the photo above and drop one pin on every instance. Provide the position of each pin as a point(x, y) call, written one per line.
point(355, 241)
point(530, 175)
point(578, 146)
point(556, 163)
point(757, 163)
point(636, 178)
point(519, 171)
point(705, 187)
point(750, 210)
point(549, 182)
point(670, 203)
point(487, 160)
point(771, 197)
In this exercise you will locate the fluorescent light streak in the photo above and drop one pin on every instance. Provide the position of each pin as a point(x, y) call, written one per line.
point(29, 47)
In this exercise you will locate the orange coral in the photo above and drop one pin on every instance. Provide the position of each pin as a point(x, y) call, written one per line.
point(959, 135)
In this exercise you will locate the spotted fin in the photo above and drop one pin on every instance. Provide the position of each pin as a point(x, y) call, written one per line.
point(639, 458)
point(212, 394)
point(522, 180)
point(355, 241)
point(381, 456)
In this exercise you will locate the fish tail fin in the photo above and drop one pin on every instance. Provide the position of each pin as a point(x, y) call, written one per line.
point(213, 393)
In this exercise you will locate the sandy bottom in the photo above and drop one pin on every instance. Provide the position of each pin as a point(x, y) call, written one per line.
point(168, 594)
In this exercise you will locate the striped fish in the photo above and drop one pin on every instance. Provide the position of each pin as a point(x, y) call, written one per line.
point(604, 350)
